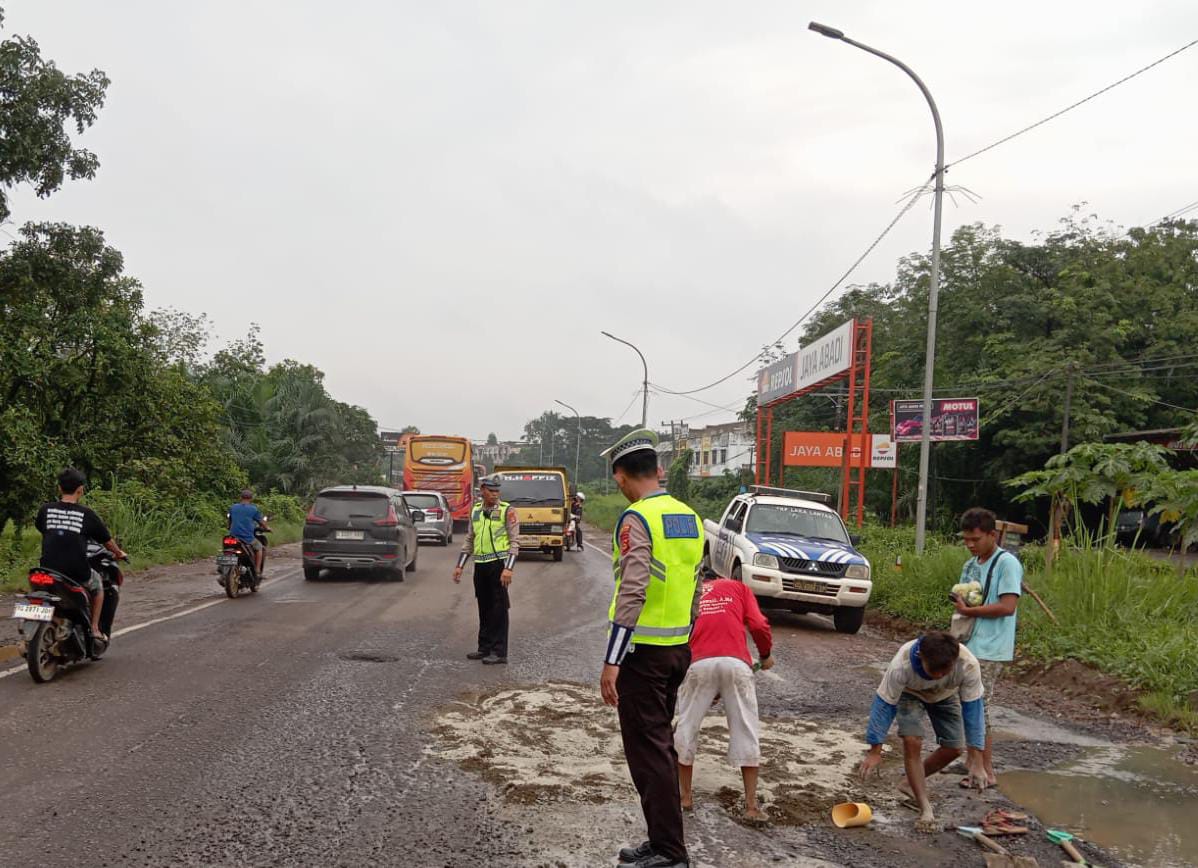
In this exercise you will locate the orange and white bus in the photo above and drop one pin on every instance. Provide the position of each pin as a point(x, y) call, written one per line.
point(442, 463)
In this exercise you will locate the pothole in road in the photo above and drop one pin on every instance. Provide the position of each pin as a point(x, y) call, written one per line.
point(368, 657)
point(559, 741)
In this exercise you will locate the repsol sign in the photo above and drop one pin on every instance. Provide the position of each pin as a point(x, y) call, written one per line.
point(778, 380)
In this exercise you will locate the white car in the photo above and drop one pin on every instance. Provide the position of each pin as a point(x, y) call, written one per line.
point(794, 552)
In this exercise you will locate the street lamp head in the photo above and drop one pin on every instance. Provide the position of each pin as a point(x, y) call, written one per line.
point(825, 30)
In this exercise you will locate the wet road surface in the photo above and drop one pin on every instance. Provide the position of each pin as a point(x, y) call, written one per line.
point(301, 726)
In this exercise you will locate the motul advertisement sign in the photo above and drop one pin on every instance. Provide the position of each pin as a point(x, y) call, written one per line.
point(826, 449)
point(952, 419)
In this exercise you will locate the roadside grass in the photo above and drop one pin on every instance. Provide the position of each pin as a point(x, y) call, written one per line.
point(151, 530)
point(604, 510)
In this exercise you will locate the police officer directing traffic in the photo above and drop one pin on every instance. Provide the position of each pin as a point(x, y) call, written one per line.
point(491, 539)
point(656, 550)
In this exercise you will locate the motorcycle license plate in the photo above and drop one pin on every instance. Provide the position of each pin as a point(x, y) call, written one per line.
point(33, 613)
point(226, 560)
point(351, 534)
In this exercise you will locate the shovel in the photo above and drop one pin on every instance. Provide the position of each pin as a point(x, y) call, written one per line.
point(975, 832)
point(1066, 841)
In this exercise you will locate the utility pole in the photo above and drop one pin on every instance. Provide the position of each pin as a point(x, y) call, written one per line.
point(1070, 371)
point(1057, 518)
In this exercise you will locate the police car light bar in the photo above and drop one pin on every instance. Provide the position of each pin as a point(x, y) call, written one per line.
point(769, 491)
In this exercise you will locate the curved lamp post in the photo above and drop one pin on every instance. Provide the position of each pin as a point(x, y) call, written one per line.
point(925, 438)
point(645, 399)
point(577, 439)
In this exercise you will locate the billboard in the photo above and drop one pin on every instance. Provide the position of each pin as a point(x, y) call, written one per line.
point(830, 355)
point(952, 419)
point(778, 380)
point(827, 357)
point(826, 449)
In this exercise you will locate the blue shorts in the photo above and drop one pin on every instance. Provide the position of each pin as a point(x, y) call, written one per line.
point(945, 715)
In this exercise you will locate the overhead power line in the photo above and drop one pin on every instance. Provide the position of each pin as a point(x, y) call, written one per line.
point(868, 250)
point(1143, 398)
point(921, 190)
point(1072, 106)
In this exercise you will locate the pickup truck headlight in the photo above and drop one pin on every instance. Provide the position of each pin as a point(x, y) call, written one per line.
point(857, 571)
point(767, 561)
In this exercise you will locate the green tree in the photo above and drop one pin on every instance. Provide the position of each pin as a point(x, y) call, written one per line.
point(678, 480)
point(84, 378)
point(38, 102)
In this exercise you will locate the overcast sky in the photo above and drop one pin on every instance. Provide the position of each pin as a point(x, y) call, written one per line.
point(441, 204)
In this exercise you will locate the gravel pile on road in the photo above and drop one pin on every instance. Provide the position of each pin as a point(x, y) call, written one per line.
point(557, 741)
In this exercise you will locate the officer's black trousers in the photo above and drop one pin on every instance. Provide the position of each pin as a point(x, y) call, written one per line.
point(648, 687)
point(493, 604)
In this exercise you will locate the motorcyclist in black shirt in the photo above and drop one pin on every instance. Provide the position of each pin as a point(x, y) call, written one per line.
point(66, 526)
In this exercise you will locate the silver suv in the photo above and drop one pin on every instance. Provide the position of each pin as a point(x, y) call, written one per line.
point(438, 522)
point(355, 527)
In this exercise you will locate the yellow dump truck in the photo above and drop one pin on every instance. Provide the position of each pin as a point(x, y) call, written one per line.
point(541, 498)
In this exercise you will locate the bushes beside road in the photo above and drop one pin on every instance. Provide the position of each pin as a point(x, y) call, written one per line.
point(152, 528)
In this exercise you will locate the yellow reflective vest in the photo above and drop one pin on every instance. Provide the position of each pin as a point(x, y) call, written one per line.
point(676, 534)
point(491, 541)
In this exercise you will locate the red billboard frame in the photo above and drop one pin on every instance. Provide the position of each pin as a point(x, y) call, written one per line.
point(857, 417)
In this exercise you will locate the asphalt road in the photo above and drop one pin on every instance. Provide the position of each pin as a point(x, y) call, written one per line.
point(306, 725)
point(284, 728)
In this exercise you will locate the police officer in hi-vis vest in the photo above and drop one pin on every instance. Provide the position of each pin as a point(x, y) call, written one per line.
point(491, 539)
point(657, 547)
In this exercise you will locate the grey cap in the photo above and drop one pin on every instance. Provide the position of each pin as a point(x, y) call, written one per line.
point(489, 482)
point(634, 441)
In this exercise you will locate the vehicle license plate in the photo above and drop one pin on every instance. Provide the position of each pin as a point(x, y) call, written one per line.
point(33, 613)
point(809, 587)
point(226, 560)
point(351, 534)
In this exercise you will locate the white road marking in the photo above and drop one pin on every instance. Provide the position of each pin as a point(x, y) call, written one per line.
point(135, 627)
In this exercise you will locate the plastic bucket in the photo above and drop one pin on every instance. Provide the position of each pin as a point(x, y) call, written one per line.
point(846, 815)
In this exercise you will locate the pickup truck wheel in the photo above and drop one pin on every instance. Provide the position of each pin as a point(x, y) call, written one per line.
point(311, 574)
point(848, 619)
point(736, 572)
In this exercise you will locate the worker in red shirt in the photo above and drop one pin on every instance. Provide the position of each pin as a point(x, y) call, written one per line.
point(721, 667)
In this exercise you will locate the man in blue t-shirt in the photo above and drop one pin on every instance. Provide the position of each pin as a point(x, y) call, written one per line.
point(244, 518)
point(993, 639)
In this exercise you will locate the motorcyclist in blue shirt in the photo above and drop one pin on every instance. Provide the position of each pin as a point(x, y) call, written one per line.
point(244, 519)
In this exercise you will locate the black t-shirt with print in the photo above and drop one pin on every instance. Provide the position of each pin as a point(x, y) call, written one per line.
point(66, 528)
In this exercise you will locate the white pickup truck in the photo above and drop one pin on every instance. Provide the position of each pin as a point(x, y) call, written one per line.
point(793, 552)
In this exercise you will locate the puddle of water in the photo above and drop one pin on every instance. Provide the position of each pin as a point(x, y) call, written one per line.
point(1137, 802)
point(1009, 724)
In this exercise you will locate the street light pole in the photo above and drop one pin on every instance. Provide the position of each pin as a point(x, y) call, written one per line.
point(645, 398)
point(925, 438)
point(577, 440)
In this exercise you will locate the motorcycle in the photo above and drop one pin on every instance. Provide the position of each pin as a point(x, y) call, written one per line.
point(235, 564)
point(61, 608)
point(572, 534)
